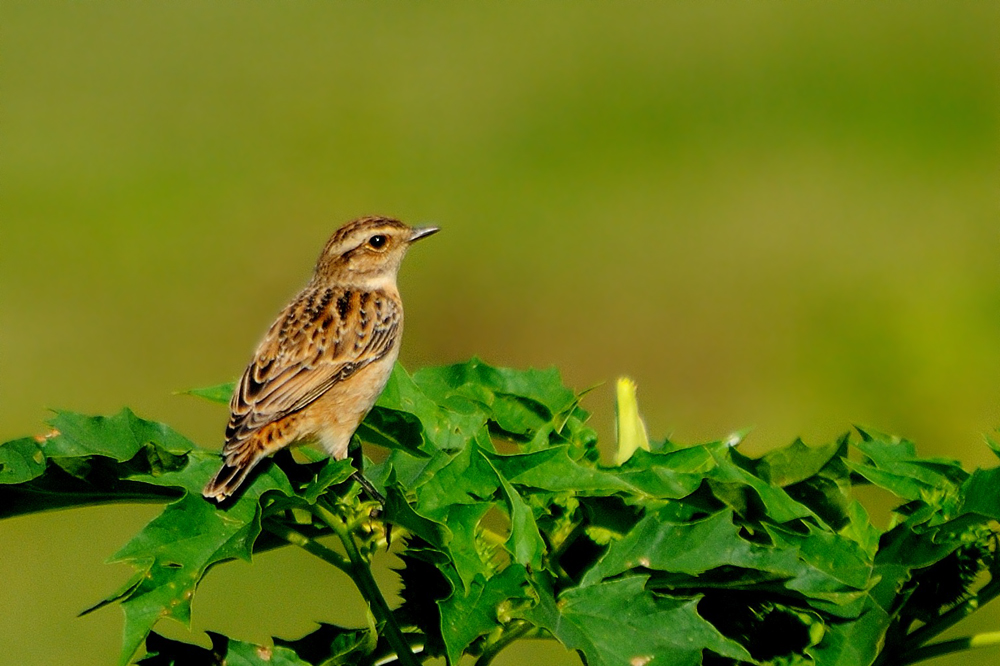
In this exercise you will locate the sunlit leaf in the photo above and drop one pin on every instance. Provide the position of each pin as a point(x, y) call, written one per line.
point(619, 622)
point(465, 617)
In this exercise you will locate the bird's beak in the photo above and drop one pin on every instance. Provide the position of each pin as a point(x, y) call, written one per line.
point(422, 232)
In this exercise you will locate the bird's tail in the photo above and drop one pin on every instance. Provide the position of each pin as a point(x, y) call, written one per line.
point(239, 461)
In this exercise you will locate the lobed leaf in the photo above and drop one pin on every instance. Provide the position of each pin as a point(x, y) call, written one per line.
point(620, 622)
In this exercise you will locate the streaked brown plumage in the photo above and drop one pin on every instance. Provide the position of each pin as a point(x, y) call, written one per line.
point(328, 355)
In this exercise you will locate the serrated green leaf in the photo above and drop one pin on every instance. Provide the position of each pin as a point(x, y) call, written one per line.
point(89, 460)
point(162, 651)
point(468, 552)
point(901, 552)
point(827, 492)
point(732, 468)
point(892, 463)
point(525, 542)
point(620, 622)
point(331, 474)
point(860, 530)
point(982, 493)
point(657, 543)
point(797, 462)
point(855, 643)
point(332, 645)
point(543, 387)
point(468, 478)
point(400, 512)
point(834, 573)
point(118, 437)
point(441, 428)
point(554, 470)
point(20, 460)
point(466, 617)
point(828, 570)
point(668, 475)
point(174, 551)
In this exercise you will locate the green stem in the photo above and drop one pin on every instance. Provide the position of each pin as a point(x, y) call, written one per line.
point(511, 633)
point(952, 617)
point(361, 573)
point(417, 645)
point(296, 538)
point(991, 639)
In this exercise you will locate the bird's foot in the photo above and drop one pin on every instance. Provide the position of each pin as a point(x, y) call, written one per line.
point(375, 495)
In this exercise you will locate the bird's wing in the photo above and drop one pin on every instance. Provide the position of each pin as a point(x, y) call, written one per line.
point(323, 337)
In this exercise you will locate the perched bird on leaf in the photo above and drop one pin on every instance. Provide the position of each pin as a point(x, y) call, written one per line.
point(327, 357)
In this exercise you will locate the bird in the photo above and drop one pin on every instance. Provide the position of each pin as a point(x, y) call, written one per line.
point(326, 358)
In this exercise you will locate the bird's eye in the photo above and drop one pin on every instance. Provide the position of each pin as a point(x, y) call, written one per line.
point(377, 241)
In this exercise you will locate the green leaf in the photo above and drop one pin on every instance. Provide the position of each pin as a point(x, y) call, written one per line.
point(220, 393)
point(797, 462)
point(855, 643)
point(89, 460)
point(118, 437)
point(173, 552)
point(860, 530)
point(833, 573)
point(468, 478)
point(163, 651)
point(466, 617)
point(982, 493)
point(400, 512)
point(620, 622)
point(554, 470)
point(332, 473)
point(248, 654)
point(543, 387)
point(525, 541)
point(332, 645)
point(471, 479)
point(736, 472)
point(830, 571)
point(21, 460)
point(393, 429)
point(671, 475)
point(440, 427)
point(471, 555)
point(893, 464)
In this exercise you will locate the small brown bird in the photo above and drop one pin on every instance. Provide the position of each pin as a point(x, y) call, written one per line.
point(327, 357)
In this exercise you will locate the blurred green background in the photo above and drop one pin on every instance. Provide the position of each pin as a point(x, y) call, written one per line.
point(774, 214)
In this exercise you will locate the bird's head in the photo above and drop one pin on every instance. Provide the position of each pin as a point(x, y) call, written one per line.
point(368, 251)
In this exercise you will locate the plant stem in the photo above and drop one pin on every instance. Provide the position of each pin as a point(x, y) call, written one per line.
point(361, 573)
point(296, 538)
point(952, 617)
point(990, 639)
point(417, 646)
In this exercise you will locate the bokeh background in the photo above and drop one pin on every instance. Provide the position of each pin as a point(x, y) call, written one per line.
point(771, 214)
